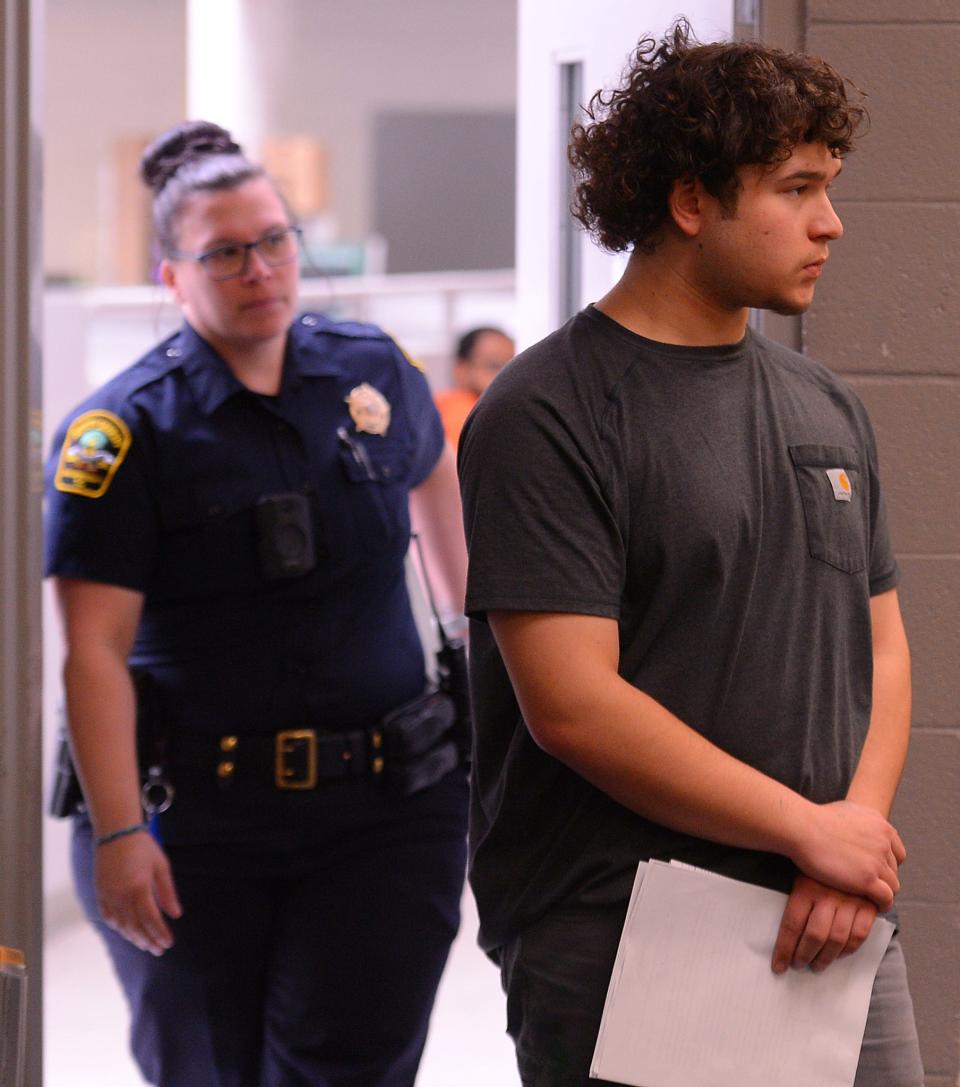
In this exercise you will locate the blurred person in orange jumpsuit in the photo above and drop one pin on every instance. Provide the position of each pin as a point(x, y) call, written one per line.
point(481, 354)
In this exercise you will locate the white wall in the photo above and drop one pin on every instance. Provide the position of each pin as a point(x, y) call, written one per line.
point(223, 66)
point(113, 68)
point(331, 66)
point(553, 32)
point(317, 67)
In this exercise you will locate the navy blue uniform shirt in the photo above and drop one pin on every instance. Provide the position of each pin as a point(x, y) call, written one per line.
point(153, 486)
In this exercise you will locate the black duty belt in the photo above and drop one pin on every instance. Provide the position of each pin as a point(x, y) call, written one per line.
point(412, 747)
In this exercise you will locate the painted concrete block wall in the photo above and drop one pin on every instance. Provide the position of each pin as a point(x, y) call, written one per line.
point(888, 318)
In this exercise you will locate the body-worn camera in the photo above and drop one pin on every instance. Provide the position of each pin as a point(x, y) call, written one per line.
point(285, 536)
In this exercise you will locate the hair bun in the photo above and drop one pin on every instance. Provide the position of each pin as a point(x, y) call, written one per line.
point(188, 141)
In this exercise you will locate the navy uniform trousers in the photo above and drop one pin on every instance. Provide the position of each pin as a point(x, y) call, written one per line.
point(316, 967)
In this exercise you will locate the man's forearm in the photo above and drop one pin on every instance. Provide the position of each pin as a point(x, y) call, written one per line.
point(564, 670)
point(885, 748)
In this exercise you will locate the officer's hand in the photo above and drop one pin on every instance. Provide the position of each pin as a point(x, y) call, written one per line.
point(852, 848)
point(819, 925)
point(134, 885)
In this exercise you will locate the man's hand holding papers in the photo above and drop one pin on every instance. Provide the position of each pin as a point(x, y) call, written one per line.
point(692, 1001)
point(819, 925)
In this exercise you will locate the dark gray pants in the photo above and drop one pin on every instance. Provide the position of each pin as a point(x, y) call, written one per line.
point(555, 975)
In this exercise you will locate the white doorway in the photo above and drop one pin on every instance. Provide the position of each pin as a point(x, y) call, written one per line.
point(563, 44)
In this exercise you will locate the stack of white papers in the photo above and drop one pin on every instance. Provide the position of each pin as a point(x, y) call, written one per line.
point(693, 1002)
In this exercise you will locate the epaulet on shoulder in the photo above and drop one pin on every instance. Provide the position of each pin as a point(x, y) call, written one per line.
point(115, 393)
point(319, 325)
point(152, 366)
point(352, 330)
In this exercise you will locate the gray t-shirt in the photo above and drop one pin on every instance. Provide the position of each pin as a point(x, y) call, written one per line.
point(723, 505)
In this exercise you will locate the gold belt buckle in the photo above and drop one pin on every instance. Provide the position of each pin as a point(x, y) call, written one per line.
point(288, 742)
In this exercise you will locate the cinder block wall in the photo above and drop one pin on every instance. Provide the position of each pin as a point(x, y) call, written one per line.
point(887, 317)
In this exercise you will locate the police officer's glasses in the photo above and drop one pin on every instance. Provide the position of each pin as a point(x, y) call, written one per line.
point(277, 248)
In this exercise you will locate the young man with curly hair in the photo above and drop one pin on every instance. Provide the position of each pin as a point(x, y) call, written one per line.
point(686, 641)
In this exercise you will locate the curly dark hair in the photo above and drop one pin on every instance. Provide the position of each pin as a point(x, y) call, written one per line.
point(686, 110)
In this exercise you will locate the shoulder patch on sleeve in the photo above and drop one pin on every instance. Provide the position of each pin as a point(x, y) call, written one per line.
point(320, 325)
point(93, 449)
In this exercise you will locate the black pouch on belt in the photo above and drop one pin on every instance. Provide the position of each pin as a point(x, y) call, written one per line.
point(418, 744)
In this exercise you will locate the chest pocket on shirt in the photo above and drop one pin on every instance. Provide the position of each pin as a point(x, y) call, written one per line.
point(375, 472)
point(832, 491)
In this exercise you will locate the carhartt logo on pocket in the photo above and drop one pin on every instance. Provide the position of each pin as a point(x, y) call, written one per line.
point(840, 481)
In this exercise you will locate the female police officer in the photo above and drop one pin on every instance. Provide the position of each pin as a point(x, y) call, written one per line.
point(227, 526)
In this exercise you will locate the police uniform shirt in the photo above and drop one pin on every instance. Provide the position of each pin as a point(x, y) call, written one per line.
point(154, 485)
